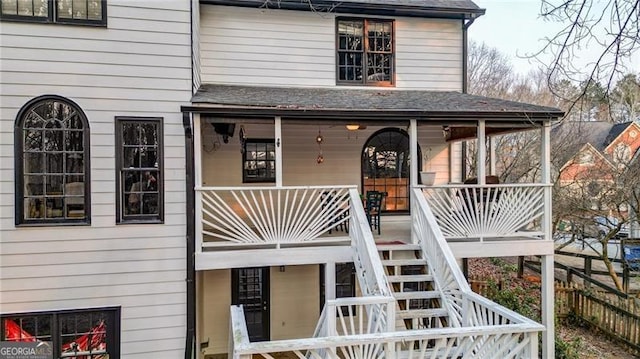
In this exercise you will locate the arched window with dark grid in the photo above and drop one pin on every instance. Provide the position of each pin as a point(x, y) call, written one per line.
point(52, 163)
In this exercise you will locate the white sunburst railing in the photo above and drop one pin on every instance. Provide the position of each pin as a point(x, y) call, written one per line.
point(466, 308)
point(270, 215)
point(481, 342)
point(475, 212)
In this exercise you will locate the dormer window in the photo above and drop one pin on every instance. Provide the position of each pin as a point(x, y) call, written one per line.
point(365, 52)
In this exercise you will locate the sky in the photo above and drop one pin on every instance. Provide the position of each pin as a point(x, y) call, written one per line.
point(515, 28)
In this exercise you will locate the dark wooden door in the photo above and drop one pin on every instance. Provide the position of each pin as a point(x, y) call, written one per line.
point(250, 288)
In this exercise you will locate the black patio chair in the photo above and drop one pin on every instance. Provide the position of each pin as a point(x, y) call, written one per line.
point(372, 208)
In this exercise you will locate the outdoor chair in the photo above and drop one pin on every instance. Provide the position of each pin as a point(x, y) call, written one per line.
point(372, 208)
point(341, 223)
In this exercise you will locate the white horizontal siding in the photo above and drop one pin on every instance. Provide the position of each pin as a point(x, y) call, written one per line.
point(139, 65)
point(288, 48)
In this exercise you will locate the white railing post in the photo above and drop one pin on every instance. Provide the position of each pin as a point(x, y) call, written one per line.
point(278, 144)
point(332, 329)
point(547, 269)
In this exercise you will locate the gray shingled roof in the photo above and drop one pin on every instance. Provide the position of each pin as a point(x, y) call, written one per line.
point(435, 4)
point(597, 133)
point(615, 131)
point(374, 102)
point(425, 8)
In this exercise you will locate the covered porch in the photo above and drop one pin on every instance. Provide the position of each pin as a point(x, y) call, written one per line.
point(308, 209)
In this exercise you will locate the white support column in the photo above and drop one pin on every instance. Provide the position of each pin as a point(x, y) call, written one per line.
point(492, 156)
point(197, 159)
point(278, 142)
point(329, 281)
point(413, 175)
point(547, 270)
point(413, 148)
point(482, 152)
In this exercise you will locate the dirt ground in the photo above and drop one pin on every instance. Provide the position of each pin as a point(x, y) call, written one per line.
point(591, 344)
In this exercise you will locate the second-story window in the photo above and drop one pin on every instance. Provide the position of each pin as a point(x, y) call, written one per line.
point(365, 52)
point(139, 163)
point(82, 12)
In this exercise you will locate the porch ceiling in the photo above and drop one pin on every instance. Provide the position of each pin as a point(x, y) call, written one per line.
point(443, 107)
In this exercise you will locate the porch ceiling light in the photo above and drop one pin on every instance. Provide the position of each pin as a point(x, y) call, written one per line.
point(353, 127)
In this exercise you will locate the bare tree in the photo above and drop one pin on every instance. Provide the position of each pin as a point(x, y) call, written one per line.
point(612, 25)
point(490, 72)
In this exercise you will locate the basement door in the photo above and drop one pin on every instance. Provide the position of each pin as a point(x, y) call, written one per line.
point(250, 288)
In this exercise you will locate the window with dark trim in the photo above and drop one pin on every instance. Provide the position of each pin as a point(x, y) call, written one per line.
point(80, 12)
point(139, 178)
point(52, 162)
point(83, 333)
point(365, 50)
point(258, 161)
point(345, 283)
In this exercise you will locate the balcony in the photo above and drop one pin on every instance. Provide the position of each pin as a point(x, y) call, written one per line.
point(369, 326)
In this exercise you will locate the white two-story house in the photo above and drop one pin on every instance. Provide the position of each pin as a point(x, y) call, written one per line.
point(202, 179)
point(92, 175)
point(304, 112)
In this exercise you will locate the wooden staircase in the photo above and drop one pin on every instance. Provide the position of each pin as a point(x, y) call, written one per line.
point(419, 301)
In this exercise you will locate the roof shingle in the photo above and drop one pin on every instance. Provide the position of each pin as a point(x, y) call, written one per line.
point(422, 103)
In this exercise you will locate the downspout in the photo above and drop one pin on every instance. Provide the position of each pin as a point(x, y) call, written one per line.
point(190, 237)
point(465, 26)
point(190, 334)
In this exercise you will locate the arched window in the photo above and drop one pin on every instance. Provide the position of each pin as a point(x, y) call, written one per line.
point(385, 167)
point(52, 162)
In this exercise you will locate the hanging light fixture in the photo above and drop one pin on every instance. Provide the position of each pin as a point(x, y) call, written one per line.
point(319, 140)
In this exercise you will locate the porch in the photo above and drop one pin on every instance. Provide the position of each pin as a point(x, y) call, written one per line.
point(265, 196)
point(439, 318)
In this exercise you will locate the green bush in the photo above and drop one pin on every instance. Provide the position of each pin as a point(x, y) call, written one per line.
point(568, 349)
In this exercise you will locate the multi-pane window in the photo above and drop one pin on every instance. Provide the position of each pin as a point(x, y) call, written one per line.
point(52, 162)
point(345, 284)
point(86, 333)
point(139, 165)
point(85, 12)
point(365, 51)
point(259, 161)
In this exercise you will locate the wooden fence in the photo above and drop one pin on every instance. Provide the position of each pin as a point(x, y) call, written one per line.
point(617, 317)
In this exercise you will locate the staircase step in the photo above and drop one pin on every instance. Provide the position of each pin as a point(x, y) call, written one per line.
point(398, 247)
point(404, 262)
point(430, 294)
point(422, 313)
point(410, 278)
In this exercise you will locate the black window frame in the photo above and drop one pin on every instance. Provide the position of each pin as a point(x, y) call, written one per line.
point(113, 324)
point(365, 52)
point(121, 190)
point(19, 158)
point(348, 269)
point(258, 179)
point(53, 15)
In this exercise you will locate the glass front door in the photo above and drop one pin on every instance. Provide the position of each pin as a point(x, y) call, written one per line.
point(251, 290)
point(385, 168)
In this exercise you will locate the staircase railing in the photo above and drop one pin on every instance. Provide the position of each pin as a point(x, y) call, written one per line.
point(376, 308)
point(496, 341)
point(466, 308)
point(369, 269)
